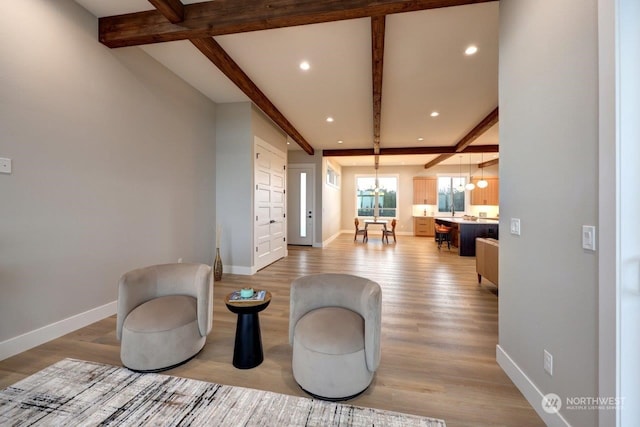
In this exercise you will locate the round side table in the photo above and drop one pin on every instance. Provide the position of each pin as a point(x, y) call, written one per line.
point(247, 351)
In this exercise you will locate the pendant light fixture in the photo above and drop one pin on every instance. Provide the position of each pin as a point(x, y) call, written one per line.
point(470, 186)
point(460, 186)
point(482, 183)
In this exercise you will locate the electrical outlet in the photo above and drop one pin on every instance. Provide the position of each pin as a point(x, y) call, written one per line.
point(548, 363)
point(5, 165)
point(515, 226)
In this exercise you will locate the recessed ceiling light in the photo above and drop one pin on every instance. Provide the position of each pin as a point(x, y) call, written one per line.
point(434, 114)
point(420, 139)
point(329, 119)
point(340, 141)
point(304, 66)
point(471, 50)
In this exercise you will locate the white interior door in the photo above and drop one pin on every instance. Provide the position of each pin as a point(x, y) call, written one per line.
point(270, 204)
point(300, 218)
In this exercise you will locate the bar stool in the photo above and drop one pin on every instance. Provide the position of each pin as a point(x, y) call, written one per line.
point(443, 234)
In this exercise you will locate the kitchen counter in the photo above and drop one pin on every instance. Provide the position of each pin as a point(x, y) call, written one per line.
point(465, 231)
point(460, 220)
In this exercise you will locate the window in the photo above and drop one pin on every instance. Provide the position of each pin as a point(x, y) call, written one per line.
point(333, 179)
point(382, 203)
point(451, 190)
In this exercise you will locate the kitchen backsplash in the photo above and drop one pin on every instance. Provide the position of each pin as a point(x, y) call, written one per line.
point(475, 210)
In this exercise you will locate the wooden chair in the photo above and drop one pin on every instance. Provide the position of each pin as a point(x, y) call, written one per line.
point(365, 236)
point(386, 233)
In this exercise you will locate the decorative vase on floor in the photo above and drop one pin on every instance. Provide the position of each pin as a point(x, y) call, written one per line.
point(217, 266)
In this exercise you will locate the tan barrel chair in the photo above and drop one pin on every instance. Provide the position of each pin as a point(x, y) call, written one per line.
point(164, 315)
point(335, 329)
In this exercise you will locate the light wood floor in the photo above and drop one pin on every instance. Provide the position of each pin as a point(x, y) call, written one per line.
point(439, 333)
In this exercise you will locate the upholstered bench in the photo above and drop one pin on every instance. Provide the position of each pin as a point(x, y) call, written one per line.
point(487, 251)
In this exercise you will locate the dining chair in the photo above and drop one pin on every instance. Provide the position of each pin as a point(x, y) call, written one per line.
point(386, 232)
point(365, 236)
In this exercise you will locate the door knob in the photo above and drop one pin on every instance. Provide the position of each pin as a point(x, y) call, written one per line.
point(272, 221)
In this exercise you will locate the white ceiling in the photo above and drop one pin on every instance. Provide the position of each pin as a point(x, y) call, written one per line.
point(425, 70)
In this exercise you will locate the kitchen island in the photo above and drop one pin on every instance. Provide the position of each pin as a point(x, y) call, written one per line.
point(465, 231)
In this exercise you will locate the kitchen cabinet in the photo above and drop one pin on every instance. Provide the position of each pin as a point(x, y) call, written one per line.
point(425, 190)
point(490, 195)
point(423, 226)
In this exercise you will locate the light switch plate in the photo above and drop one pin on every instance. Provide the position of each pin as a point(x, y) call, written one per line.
point(515, 226)
point(5, 165)
point(589, 237)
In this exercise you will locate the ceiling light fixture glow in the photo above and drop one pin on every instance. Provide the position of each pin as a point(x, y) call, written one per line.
point(329, 119)
point(470, 186)
point(420, 139)
point(471, 50)
point(340, 141)
point(434, 114)
point(304, 66)
point(482, 183)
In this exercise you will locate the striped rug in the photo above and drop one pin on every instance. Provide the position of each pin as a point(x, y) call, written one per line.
point(78, 393)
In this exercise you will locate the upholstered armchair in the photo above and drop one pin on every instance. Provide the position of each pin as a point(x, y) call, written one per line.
point(164, 315)
point(335, 328)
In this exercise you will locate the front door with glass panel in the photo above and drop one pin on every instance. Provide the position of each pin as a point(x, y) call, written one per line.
point(300, 213)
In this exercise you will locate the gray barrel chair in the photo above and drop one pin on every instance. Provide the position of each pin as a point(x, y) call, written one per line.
point(164, 315)
point(334, 328)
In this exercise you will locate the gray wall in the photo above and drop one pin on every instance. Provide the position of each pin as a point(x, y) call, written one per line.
point(234, 180)
point(236, 126)
point(549, 114)
point(331, 203)
point(113, 166)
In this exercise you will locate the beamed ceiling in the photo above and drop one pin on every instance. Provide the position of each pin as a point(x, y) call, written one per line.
point(378, 68)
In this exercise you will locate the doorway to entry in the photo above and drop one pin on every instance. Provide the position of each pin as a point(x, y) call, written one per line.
point(301, 210)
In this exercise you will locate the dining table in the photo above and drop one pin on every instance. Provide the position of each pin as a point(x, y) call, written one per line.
point(382, 222)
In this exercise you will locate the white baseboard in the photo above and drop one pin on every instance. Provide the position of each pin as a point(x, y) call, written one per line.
point(240, 269)
point(530, 391)
point(329, 240)
point(34, 338)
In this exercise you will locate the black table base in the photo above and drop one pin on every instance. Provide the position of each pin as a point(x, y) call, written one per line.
point(247, 352)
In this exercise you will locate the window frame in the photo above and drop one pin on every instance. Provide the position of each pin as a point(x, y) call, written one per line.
point(467, 193)
point(373, 176)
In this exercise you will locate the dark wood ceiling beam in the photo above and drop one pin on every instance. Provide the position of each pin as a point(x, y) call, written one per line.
point(409, 151)
point(213, 18)
point(488, 163)
point(173, 10)
point(484, 125)
point(377, 61)
point(212, 50)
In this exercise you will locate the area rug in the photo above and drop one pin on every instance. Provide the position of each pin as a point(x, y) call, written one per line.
point(78, 393)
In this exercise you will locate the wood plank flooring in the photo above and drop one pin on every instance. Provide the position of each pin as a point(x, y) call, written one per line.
point(439, 333)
